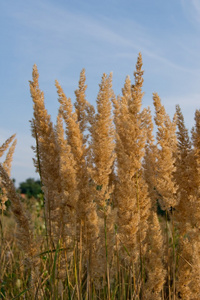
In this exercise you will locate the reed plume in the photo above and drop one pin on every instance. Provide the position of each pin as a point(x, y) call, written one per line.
point(85, 219)
point(25, 235)
point(9, 157)
point(183, 177)
point(154, 265)
point(7, 166)
point(47, 158)
point(183, 173)
point(102, 142)
point(166, 141)
point(69, 193)
point(6, 144)
point(132, 197)
point(149, 162)
point(127, 218)
point(192, 241)
point(102, 155)
point(82, 106)
point(196, 153)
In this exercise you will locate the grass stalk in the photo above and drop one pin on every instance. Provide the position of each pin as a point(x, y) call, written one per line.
point(67, 276)
point(76, 273)
point(107, 263)
point(80, 260)
point(53, 276)
point(89, 287)
point(139, 231)
point(168, 257)
point(174, 257)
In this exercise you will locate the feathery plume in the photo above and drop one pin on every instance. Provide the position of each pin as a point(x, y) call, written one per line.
point(46, 153)
point(136, 102)
point(132, 199)
point(102, 133)
point(73, 132)
point(69, 193)
point(183, 212)
point(196, 152)
point(154, 260)
point(9, 157)
point(7, 166)
point(86, 221)
point(183, 174)
point(81, 104)
point(166, 141)
point(6, 144)
point(25, 235)
point(185, 266)
point(102, 150)
point(149, 163)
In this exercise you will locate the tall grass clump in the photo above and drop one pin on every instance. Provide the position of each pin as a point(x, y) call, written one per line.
point(119, 213)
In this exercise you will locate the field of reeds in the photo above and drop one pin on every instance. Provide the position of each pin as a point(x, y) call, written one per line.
point(119, 217)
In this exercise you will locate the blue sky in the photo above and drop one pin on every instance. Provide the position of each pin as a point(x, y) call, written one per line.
point(64, 36)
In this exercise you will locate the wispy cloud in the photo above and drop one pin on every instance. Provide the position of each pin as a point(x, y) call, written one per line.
point(196, 4)
point(192, 10)
point(64, 29)
point(62, 38)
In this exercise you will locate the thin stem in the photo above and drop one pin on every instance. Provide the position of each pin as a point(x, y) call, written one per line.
point(80, 260)
point(174, 257)
point(2, 226)
point(140, 244)
point(107, 264)
point(168, 260)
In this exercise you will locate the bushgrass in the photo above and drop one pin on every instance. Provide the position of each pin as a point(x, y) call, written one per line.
point(96, 233)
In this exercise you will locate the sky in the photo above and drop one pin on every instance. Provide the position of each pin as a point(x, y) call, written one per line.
point(64, 36)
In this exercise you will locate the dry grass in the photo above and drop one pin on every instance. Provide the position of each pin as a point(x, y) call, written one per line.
point(96, 233)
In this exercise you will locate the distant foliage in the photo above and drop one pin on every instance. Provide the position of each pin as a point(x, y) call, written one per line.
point(30, 187)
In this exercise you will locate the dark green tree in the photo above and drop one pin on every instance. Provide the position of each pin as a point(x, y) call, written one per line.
point(31, 187)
